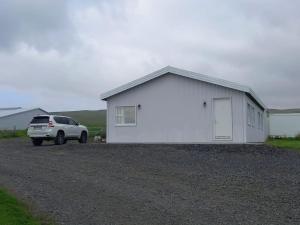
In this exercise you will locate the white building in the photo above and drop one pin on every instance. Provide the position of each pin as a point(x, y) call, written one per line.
point(17, 118)
point(177, 106)
point(284, 123)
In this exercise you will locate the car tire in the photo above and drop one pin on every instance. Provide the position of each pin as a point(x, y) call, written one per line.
point(60, 138)
point(83, 138)
point(37, 142)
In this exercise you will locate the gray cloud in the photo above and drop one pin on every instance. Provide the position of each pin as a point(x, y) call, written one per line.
point(78, 49)
point(42, 24)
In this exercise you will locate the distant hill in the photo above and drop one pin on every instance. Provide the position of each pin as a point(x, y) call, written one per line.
point(90, 118)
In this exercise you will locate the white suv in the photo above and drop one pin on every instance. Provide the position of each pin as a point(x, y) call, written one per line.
point(57, 128)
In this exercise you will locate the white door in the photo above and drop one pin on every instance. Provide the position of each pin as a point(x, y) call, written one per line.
point(223, 119)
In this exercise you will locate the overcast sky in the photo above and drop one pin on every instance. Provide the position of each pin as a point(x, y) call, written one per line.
point(60, 55)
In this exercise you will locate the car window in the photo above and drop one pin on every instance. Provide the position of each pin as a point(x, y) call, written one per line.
point(40, 119)
point(61, 120)
point(57, 119)
point(65, 120)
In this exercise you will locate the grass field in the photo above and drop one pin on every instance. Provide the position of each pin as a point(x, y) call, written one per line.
point(287, 143)
point(12, 134)
point(14, 212)
point(95, 120)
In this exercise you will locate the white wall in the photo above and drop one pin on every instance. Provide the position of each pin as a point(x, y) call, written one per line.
point(286, 125)
point(19, 121)
point(172, 111)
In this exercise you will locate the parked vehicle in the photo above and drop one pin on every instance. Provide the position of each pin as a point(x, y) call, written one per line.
point(57, 128)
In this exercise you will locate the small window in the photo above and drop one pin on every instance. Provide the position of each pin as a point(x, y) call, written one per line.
point(249, 114)
point(253, 116)
point(126, 115)
point(258, 120)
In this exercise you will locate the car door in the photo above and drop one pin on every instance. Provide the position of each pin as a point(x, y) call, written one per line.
point(66, 126)
point(74, 129)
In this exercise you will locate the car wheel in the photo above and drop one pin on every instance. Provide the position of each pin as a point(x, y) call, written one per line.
point(37, 142)
point(83, 138)
point(60, 138)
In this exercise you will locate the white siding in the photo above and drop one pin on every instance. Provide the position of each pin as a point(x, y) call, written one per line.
point(253, 133)
point(18, 121)
point(172, 111)
point(285, 125)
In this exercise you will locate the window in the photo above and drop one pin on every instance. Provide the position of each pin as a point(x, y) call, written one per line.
point(65, 120)
point(61, 120)
point(250, 115)
point(57, 119)
point(126, 115)
point(260, 120)
point(40, 119)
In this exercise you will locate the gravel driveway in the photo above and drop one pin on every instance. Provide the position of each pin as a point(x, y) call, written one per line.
point(155, 184)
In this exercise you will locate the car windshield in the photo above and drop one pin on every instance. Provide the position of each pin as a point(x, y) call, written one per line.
point(40, 119)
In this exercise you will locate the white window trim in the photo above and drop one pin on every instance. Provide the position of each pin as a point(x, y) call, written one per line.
point(126, 124)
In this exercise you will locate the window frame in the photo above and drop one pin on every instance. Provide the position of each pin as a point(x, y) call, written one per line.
point(126, 124)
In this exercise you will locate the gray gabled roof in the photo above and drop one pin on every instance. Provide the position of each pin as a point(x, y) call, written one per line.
point(12, 111)
point(184, 73)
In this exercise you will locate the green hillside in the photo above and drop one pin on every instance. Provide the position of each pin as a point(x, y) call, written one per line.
point(95, 120)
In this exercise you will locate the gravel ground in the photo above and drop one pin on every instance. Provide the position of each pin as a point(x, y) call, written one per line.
point(155, 184)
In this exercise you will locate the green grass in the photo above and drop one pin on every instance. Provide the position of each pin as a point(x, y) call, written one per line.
point(90, 118)
point(95, 120)
point(286, 143)
point(14, 212)
point(12, 134)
